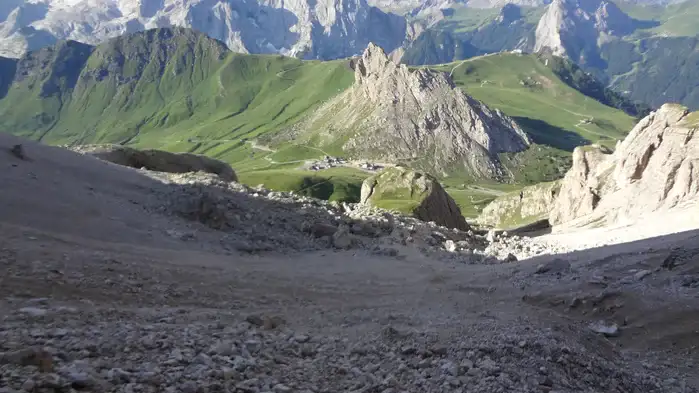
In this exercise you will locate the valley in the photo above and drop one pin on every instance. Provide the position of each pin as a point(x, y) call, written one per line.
point(239, 107)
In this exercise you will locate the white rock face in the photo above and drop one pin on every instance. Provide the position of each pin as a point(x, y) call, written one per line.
point(570, 28)
point(321, 29)
point(654, 169)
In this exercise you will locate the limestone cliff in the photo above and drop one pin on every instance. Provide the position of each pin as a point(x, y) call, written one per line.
point(655, 168)
point(324, 29)
point(416, 116)
point(572, 28)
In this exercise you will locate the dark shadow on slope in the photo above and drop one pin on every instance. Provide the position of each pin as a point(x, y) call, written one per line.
point(648, 288)
point(8, 67)
point(544, 133)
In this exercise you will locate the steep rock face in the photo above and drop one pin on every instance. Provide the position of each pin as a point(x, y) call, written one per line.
point(160, 161)
point(319, 29)
point(414, 193)
point(519, 208)
point(581, 187)
point(572, 28)
point(395, 114)
point(655, 168)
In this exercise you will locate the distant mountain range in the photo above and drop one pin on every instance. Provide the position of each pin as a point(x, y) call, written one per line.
point(648, 53)
point(647, 50)
point(319, 29)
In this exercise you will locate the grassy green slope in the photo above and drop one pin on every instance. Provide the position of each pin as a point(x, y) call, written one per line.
point(674, 20)
point(167, 88)
point(551, 111)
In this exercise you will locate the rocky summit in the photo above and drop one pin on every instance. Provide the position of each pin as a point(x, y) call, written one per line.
point(417, 116)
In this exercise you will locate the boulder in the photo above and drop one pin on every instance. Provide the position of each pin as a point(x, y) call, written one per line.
point(521, 208)
point(159, 160)
point(414, 193)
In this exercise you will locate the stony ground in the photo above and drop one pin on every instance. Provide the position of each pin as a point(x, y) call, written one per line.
point(114, 281)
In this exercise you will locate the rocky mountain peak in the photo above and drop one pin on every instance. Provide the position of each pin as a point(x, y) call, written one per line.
point(571, 27)
point(372, 62)
point(397, 114)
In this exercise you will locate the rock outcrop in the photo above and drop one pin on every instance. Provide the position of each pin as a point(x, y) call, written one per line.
point(325, 29)
point(520, 208)
point(418, 117)
point(414, 193)
point(655, 168)
point(160, 161)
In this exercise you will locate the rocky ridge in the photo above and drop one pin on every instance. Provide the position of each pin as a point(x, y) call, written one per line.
point(395, 114)
point(318, 30)
point(653, 169)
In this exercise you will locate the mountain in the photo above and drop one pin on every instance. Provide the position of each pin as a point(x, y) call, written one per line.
point(509, 29)
point(572, 28)
point(416, 117)
point(179, 90)
point(637, 57)
point(646, 51)
point(159, 88)
point(326, 29)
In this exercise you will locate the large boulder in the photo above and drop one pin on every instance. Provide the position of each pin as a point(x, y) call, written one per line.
point(521, 208)
point(654, 169)
point(159, 160)
point(413, 193)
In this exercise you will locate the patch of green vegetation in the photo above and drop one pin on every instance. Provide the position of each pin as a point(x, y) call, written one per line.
point(692, 120)
point(672, 20)
point(334, 184)
point(554, 113)
point(572, 75)
point(462, 19)
point(472, 197)
point(539, 163)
